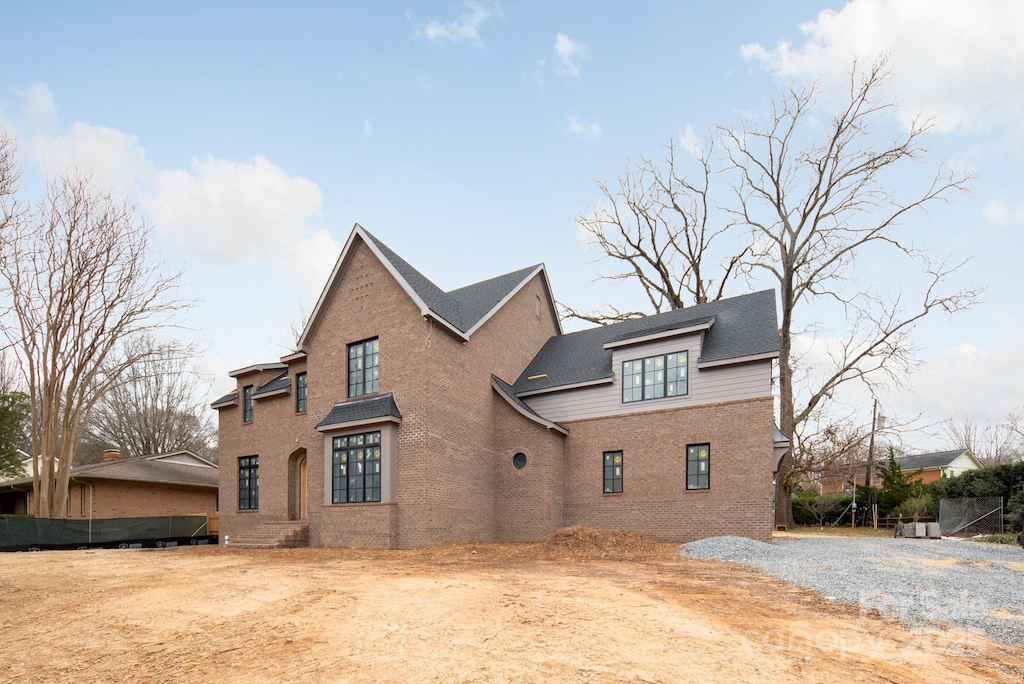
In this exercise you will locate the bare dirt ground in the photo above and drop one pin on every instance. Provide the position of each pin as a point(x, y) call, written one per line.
point(581, 607)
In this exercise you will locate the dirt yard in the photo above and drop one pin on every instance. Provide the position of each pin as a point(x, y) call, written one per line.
point(582, 607)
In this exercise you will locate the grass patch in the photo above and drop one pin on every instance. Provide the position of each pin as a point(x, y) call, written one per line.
point(1005, 538)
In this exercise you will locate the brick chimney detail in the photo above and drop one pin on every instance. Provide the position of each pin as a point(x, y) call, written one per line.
point(111, 455)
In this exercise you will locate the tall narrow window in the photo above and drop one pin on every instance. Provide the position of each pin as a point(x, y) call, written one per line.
point(247, 404)
point(654, 377)
point(300, 392)
point(248, 483)
point(363, 366)
point(355, 468)
point(613, 472)
point(698, 466)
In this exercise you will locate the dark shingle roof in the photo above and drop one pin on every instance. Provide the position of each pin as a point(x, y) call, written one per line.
point(506, 389)
point(463, 307)
point(743, 326)
point(282, 381)
point(229, 399)
point(936, 459)
point(143, 469)
point(361, 409)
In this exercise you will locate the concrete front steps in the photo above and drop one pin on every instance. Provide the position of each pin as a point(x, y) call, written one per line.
point(286, 534)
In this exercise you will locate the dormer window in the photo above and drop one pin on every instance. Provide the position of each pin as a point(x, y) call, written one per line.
point(654, 377)
point(363, 367)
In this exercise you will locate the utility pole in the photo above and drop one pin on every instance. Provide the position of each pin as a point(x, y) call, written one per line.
point(871, 446)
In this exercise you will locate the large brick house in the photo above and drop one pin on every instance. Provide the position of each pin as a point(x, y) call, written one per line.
point(409, 416)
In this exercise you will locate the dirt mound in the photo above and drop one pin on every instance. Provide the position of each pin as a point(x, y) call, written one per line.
point(585, 543)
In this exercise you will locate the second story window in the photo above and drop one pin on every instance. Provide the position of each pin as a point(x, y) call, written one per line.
point(247, 404)
point(363, 360)
point(300, 392)
point(654, 377)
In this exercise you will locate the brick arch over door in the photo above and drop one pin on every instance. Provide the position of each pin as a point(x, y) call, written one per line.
point(298, 500)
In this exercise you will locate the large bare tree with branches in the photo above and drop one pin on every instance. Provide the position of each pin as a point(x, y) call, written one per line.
point(656, 225)
point(811, 194)
point(160, 407)
point(79, 274)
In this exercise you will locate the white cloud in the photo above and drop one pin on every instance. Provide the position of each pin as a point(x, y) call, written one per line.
point(689, 141)
point(581, 130)
point(114, 159)
point(467, 27)
point(1000, 213)
point(962, 61)
point(233, 213)
point(367, 129)
point(570, 54)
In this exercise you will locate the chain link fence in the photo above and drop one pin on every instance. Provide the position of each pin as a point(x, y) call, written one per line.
point(54, 533)
point(971, 517)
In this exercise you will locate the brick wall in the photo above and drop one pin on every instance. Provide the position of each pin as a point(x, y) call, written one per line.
point(527, 501)
point(111, 499)
point(654, 500)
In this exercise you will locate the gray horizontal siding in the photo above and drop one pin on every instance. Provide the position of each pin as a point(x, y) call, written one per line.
point(713, 385)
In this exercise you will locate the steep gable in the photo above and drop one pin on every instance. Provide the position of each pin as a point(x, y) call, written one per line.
point(462, 311)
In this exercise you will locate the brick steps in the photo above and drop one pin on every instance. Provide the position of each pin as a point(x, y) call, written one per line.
point(288, 534)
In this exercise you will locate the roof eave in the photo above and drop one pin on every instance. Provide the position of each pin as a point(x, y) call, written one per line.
point(767, 356)
point(559, 388)
point(257, 368)
point(332, 427)
point(540, 420)
point(660, 335)
point(497, 307)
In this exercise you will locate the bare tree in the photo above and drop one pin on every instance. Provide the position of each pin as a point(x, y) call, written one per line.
point(811, 210)
point(812, 195)
point(659, 227)
point(993, 443)
point(159, 408)
point(81, 281)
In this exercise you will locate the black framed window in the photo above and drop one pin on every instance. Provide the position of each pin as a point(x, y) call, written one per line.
point(355, 468)
point(248, 483)
point(247, 404)
point(613, 472)
point(698, 466)
point(363, 367)
point(300, 392)
point(654, 377)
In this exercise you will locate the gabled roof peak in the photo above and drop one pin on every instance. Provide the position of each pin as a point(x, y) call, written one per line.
point(462, 310)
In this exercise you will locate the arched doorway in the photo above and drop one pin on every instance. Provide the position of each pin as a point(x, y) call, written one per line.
point(297, 485)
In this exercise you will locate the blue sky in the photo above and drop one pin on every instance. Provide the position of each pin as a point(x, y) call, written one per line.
point(467, 135)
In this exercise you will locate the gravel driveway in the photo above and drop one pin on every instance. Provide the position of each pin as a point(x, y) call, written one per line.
point(974, 586)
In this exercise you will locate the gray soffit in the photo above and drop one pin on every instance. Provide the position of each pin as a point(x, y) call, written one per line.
point(744, 326)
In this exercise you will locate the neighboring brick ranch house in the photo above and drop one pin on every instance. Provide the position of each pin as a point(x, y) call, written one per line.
point(410, 416)
point(178, 483)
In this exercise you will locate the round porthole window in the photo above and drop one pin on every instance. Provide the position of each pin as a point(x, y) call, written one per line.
point(519, 461)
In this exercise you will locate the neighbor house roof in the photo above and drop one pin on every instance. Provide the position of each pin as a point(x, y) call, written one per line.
point(179, 468)
point(935, 459)
point(462, 310)
point(736, 329)
point(361, 410)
